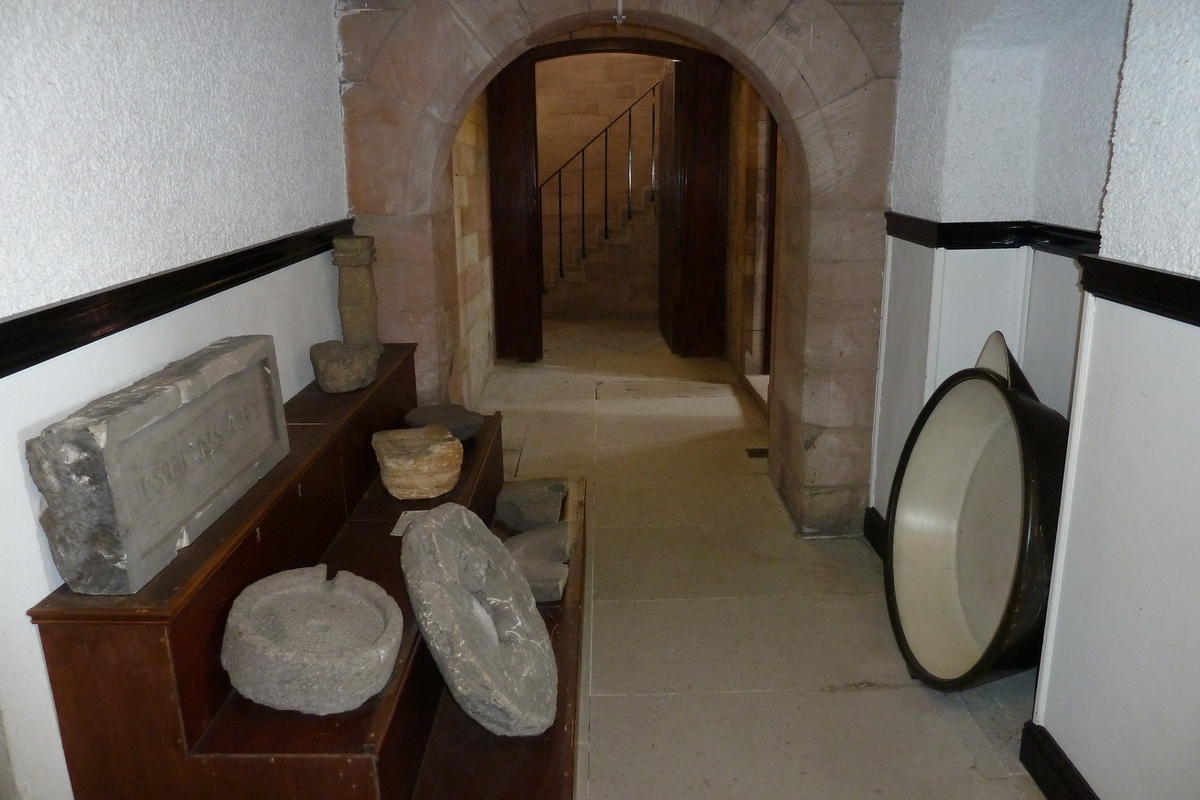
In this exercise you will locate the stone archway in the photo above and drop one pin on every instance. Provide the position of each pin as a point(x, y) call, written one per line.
point(827, 73)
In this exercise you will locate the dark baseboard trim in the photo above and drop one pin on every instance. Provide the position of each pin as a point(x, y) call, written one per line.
point(1050, 768)
point(1057, 239)
point(875, 530)
point(1163, 293)
point(37, 336)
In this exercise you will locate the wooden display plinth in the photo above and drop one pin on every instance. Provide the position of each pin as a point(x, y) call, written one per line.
point(146, 710)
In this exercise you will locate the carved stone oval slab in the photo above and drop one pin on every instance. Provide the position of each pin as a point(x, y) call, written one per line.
point(298, 642)
point(479, 619)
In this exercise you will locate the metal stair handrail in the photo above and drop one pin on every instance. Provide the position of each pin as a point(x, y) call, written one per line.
point(581, 154)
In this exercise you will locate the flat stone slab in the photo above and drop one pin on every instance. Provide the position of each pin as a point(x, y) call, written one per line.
point(543, 555)
point(525, 505)
point(297, 642)
point(455, 418)
point(136, 475)
point(477, 615)
point(418, 463)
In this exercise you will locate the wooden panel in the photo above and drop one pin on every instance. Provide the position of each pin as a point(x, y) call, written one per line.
point(117, 709)
point(516, 211)
point(327, 777)
point(477, 487)
point(669, 197)
point(293, 534)
point(703, 121)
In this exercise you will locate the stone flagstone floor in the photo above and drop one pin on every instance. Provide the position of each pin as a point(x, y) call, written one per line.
point(724, 656)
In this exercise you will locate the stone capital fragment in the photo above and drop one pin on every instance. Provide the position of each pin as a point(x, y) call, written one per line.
point(418, 463)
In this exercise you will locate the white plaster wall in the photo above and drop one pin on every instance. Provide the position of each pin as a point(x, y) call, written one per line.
point(1117, 688)
point(138, 137)
point(1004, 109)
point(1153, 196)
point(142, 135)
point(296, 305)
point(989, 169)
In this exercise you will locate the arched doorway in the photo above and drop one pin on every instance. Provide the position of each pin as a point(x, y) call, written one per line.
point(693, 201)
point(411, 74)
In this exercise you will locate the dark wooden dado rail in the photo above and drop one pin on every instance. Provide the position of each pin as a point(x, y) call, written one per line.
point(146, 710)
point(31, 338)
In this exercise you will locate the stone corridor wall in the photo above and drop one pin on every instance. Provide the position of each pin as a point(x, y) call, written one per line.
point(475, 348)
point(827, 71)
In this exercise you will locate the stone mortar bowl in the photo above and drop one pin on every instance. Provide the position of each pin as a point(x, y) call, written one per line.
point(297, 642)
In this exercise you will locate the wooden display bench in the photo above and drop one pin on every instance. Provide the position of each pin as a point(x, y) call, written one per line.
point(146, 710)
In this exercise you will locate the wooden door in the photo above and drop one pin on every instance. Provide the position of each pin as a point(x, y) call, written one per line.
point(669, 196)
point(695, 212)
point(516, 211)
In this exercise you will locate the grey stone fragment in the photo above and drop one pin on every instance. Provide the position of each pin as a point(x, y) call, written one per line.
point(458, 420)
point(297, 642)
point(543, 554)
point(341, 367)
point(525, 505)
point(134, 476)
point(479, 619)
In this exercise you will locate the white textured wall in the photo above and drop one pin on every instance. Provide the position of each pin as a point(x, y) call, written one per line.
point(1153, 197)
point(1004, 109)
point(137, 137)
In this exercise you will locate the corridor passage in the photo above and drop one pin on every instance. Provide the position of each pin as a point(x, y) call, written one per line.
point(725, 657)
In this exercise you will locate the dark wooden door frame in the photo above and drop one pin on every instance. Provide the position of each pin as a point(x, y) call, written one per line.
point(516, 212)
point(516, 236)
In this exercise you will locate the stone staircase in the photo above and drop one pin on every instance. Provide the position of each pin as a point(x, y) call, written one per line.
point(619, 275)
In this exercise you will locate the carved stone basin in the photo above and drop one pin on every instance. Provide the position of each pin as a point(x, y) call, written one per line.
point(295, 641)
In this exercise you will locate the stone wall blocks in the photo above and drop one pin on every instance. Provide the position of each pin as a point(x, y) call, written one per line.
point(842, 343)
point(742, 23)
point(832, 456)
point(829, 511)
point(858, 133)
point(392, 152)
point(848, 234)
point(846, 281)
point(810, 37)
point(877, 28)
point(431, 61)
point(697, 12)
point(838, 398)
point(497, 24)
point(397, 237)
point(362, 34)
point(549, 18)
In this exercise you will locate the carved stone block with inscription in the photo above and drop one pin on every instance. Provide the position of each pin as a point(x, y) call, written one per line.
point(134, 476)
